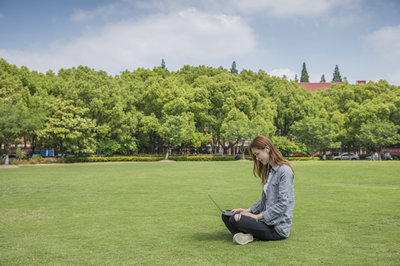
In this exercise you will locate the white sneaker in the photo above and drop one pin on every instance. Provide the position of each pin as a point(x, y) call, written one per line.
point(241, 238)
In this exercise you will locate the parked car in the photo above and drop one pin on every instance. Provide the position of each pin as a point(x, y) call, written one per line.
point(346, 156)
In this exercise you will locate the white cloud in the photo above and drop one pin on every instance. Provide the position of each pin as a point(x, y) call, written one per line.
point(281, 8)
point(342, 19)
point(180, 38)
point(385, 44)
point(293, 8)
point(100, 12)
point(284, 71)
point(284, 7)
point(394, 76)
point(164, 5)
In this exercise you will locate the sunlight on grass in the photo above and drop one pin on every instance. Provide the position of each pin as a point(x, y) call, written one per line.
point(159, 213)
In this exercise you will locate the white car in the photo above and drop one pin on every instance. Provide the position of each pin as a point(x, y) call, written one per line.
point(346, 156)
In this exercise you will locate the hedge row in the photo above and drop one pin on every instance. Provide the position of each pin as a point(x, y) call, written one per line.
point(202, 158)
point(111, 159)
point(139, 159)
point(302, 158)
point(159, 158)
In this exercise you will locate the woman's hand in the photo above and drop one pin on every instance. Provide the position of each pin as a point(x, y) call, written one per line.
point(241, 211)
point(256, 217)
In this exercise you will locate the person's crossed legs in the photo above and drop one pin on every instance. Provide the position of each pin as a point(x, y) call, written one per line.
point(243, 224)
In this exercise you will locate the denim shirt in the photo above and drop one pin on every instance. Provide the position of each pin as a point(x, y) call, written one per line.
point(277, 204)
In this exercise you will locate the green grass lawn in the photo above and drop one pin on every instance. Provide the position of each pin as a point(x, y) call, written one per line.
point(159, 213)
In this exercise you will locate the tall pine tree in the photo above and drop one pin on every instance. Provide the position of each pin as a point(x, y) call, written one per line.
point(234, 70)
point(295, 78)
point(304, 75)
point(163, 64)
point(323, 78)
point(336, 75)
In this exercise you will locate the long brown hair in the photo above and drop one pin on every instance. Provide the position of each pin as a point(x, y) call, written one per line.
point(275, 158)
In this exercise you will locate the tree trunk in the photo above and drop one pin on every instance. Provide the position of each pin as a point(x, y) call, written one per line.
point(243, 150)
point(160, 146)
point(33, 145)
point(62, 150)
point(216, 146)
point(166, 155)
point(6, 151)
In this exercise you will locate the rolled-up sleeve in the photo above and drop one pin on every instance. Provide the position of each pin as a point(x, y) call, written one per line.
point(257, 207)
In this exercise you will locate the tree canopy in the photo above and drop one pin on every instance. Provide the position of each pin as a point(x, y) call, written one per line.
point(197, 109)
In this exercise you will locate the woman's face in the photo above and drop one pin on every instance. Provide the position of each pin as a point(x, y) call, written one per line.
point(262, 155)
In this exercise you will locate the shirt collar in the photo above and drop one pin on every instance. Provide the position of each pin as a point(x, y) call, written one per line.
point(275, 168)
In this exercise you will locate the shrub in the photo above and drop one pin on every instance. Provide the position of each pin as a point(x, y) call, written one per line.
point(111, 159)
point(203, 158)
point(34, 160)
point(302, 158)
point(20, 154)
point(36, 157)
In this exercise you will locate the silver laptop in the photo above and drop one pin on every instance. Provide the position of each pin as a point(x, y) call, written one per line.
point(225, 212)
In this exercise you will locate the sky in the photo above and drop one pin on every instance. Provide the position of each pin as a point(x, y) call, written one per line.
point(362, 37)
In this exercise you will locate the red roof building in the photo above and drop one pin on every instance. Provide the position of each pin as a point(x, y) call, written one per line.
point(316, 86)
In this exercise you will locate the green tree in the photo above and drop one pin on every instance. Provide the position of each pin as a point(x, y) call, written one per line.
point(110, 103)
point(323, 78)
point(67, 129)
point(304, 75)
point(296, 79)
point(286, 146)
point(234, 70)
point(336, 75)
point(222, 87)
point(261, 125)
point(177, 130)
point(163, 64)
point(293, 103)
point(235, 128)
point(376, 135)
point(130, 109)
point(12, 117)
point(33, 123)
point(199, 139)
point(316, 133)
point(149, 125)
point(11, 87)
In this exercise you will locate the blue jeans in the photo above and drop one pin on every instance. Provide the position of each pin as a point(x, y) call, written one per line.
point(259, 230)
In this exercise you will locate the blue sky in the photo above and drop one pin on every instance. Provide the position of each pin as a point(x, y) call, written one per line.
point(362, 37)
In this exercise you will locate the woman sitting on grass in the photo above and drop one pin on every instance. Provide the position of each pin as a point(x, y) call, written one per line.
point(271, 217)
